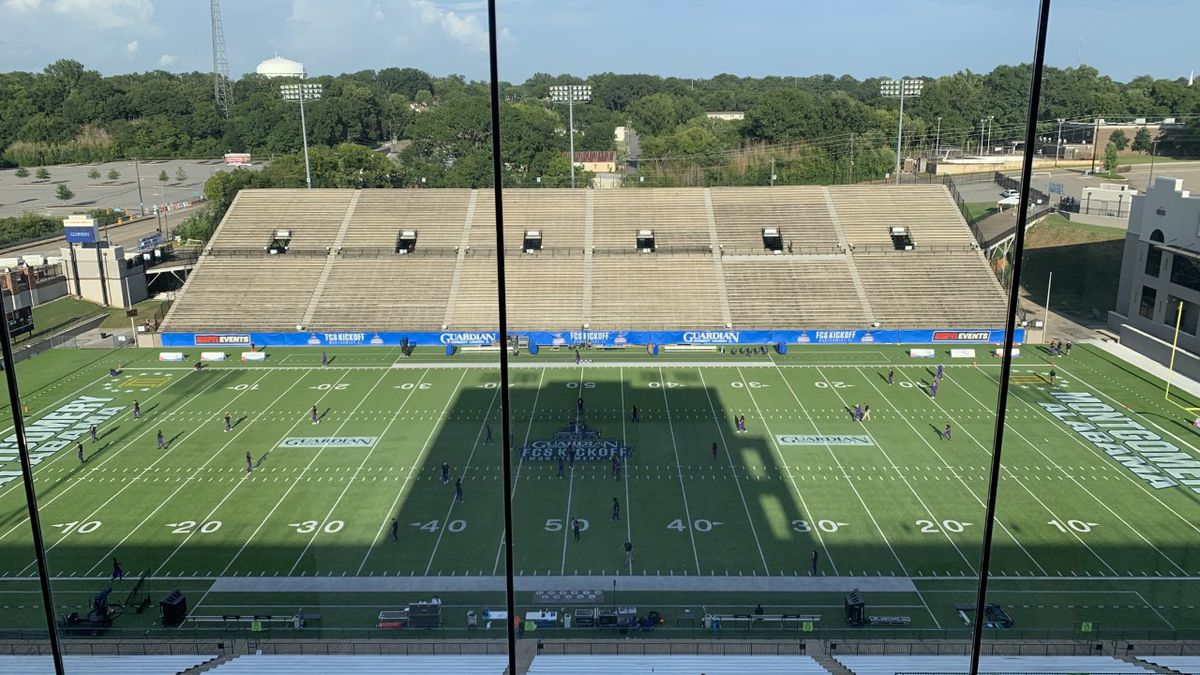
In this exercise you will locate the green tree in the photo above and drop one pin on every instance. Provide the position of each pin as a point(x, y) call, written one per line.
point(64, 193)
point(163, 177)
point(93, 174)
point(1110, 158)
point(180, 175)
point(42, 173)
point(22, 172)
point(1142, 141)
point(662, 113)
point(113, 174)
point(1119, 139)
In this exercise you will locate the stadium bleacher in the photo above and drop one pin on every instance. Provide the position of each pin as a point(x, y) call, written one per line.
point(310, 664)
point(126, 665)
point(548, 664)
point(710, 269)
point(1188, 665)
point(892, 664)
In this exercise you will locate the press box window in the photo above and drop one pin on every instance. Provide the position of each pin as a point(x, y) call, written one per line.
point(1149, 297)
point(1191, 314)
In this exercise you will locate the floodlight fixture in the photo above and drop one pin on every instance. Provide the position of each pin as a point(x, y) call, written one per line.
point(900, 89)
point(570, 94)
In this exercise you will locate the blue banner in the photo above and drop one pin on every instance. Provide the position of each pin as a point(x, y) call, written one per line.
point(81, 234)
point(596, 338)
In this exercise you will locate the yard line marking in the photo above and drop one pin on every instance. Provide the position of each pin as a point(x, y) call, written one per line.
point(55, 404)
point(520, 463)
point(463, 474)
point(625, 442)
point(570, 485)
point(194, 473)
point(1071, 477)
point(679, 470)
point(294, 483)
point(871, 381)
point(1152, 609)
point(733, 469)
point(838, 464)
point(99, 467)
point(378, 442)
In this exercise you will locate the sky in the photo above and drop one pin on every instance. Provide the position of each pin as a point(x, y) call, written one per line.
point(683, 38)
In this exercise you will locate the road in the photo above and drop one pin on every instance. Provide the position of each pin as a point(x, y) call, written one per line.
point(126, 235)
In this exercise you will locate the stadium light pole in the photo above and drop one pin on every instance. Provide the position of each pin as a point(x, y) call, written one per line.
point(571, 93)
point(900, 89)
point(937, 142)
point(299, 92)
point(1058, 143)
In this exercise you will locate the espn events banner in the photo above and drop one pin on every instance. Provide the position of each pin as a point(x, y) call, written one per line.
point(597, 338)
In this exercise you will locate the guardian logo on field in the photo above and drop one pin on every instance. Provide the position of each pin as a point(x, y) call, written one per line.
point(223, 339)
point(817, 439)
point(961, 336)
point(467, 338)
point(328, 442)
point(724, 337)
point(588, 443)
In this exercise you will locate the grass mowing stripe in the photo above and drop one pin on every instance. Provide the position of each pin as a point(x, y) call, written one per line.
point(96, 468)
point(567, 529)
point(790, 474)
point(400, 492)
point(838, 463)
point(625, 442)
point(198, 427)
point(520, 463)
point(363, 463)
point(463, 474)
point(925, 440)
point(895, 468)
point(1072, 478)
point(733, 470)
point(679, 470)
point(299, 477)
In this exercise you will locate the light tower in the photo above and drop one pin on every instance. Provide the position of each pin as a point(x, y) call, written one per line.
point(571, 93)
point(222, 93)
point(900, 89)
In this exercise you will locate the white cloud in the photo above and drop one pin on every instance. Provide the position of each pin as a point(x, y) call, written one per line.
point(466, 29)
point(131, 49)
point(22, 5)
point(166, 60)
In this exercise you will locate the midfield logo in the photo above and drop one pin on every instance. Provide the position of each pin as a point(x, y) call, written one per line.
point(587, 442)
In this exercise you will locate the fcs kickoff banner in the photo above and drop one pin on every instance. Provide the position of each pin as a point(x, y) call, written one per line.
point(596, 338)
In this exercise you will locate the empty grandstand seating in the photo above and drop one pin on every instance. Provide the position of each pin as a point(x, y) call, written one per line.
point(867, 212)
point(677, 216)
point(654, 292)
point(891, 664)
point(235, 293)
point(792, 290)
point(547, 664)
point(126, 665)
point(323, 664)
point(362, 284)
point(312, 216)
point(931, 290)
point(385, 293)
point(799, 212)
point(1188, 665)
point(436, 215)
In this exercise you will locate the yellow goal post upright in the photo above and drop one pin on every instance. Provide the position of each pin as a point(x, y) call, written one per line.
point(1193, 412)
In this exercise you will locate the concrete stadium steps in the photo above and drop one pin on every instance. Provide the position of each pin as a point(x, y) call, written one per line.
point(867, 212)
point(559, 214)
point(799, 212)
point(476, 304)
point(654, 292)
point(362, 664)
point(908, 289)
point(665, 664)
point(544, 293)
point(677, 216)
point(235, 292)
point(313, 216)
point(892, 664)
point(817, 291)
point(126, 665)
point(387, 293)
point(436, 215)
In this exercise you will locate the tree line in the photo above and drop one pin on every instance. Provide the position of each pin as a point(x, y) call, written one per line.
point(817, 129)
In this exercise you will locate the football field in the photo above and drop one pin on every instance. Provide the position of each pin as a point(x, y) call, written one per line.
point(806, 502)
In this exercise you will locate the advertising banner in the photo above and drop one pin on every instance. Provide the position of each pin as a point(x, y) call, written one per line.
point(594, 338)
point(212, 356)
point(170, 356)
point(254, 356)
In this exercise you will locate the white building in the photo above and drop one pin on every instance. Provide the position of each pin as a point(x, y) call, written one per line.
point(1160, 272)
point(280, 67)
point(728, 115)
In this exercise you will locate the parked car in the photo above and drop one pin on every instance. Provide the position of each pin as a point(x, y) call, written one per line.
point(1010, 193)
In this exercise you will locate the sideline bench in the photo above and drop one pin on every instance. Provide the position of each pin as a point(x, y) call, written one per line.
point(689, 348)
point(748, 621)
point(235, 621)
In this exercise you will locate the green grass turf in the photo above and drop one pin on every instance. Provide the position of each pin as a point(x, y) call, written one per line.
point(977, 211)
point(1072, 522)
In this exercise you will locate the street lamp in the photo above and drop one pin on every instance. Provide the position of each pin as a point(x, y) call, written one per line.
point(300, 92)
point(571, 93)
point(900, 89)
point(1058, 143)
